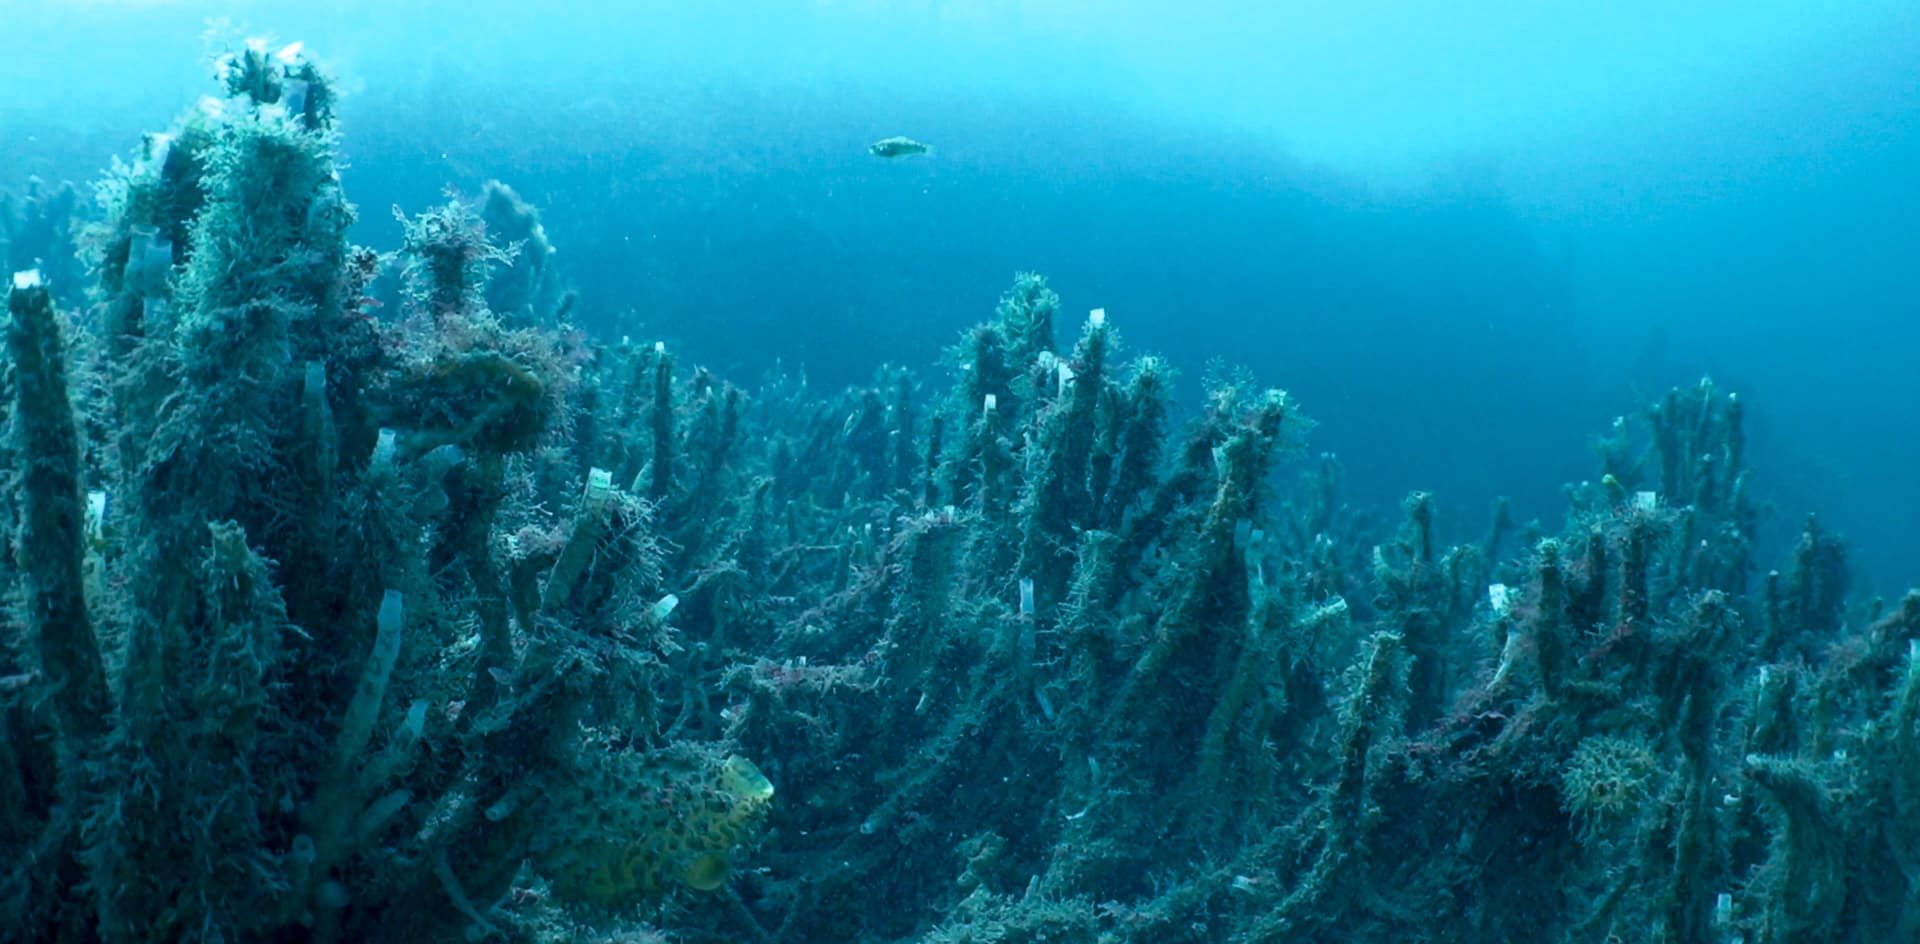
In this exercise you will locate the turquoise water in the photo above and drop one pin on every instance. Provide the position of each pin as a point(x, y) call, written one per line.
point(675, 441)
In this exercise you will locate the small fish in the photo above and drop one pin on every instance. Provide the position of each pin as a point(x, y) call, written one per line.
point(898, 146)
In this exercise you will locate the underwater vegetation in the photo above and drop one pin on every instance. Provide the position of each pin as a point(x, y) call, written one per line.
point(441, 620)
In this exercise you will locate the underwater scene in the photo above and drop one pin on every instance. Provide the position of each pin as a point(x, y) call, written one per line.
point(940, 472)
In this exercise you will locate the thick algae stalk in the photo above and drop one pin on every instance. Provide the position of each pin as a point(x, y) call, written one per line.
point(1215, 594)
point(1026, 314)
point(1059, 500)
point(660, 418)
point(588, 527)
point(1141, 418)
point(51, 553)
point(51, 544)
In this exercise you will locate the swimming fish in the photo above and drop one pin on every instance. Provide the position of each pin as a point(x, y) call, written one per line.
point(898, 146)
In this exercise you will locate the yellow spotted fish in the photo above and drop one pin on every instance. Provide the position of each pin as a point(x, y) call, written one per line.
point(647, 821)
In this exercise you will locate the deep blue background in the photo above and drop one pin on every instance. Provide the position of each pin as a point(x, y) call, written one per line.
point(1464, 245)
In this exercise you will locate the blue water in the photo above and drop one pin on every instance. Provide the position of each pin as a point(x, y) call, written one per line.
point(1464, 235)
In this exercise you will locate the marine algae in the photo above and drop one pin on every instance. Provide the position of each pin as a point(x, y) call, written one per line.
point(443, 622)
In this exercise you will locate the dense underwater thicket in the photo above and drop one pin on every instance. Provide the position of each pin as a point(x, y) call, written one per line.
point(438, 620)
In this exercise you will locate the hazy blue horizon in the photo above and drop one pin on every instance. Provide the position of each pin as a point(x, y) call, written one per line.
point(1463, 235)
